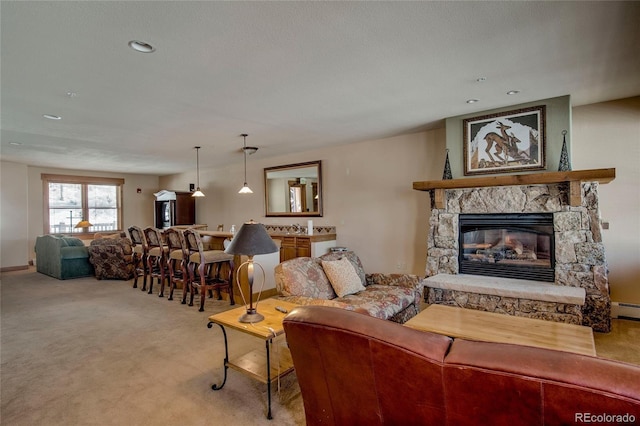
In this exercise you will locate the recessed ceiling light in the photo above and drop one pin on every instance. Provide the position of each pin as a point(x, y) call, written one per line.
point(15, 143)
point(52, 117)
point(512, 92)
point(141, 46)
point(472, 101)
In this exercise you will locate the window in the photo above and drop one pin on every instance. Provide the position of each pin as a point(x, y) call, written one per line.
point(68, 200)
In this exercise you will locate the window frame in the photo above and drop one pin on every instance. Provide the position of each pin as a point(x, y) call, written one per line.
point(84, 181)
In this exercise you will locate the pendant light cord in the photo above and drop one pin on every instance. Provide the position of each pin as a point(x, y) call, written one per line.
point(244, 151)
point(198, 167)
point(245, 188)
point(198, 192)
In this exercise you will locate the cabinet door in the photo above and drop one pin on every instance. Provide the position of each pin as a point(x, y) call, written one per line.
point(185, 209)
point(288, 248)
point(303, 247)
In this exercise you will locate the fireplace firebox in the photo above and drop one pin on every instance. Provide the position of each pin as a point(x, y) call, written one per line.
point(519, 246)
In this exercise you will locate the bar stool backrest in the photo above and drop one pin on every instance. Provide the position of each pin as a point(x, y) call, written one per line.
point(175, 241)
point(193, 242)
point(153, 236)
point(137, 236)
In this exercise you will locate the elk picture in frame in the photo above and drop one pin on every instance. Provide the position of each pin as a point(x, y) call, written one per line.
point(510, 141)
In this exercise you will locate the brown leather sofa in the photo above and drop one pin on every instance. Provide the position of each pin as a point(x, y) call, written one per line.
point(354, 369)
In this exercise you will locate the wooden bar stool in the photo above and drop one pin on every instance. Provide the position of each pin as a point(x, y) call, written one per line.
point(208, 269)
point(139, 256)
point(177, 262)
point(156, 258)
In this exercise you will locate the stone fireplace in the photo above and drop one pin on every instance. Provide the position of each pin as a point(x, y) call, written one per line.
point(572, 285)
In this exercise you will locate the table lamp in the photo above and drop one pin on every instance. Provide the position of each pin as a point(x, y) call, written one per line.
point(83, 224)
point(251, 239)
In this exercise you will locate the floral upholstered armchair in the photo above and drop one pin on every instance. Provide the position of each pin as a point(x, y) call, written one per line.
point(338, 279)
point(112, 258)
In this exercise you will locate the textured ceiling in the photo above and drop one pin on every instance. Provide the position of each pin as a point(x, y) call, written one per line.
point(293, 75)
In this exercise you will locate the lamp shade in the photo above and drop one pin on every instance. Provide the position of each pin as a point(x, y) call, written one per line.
point(83, 224)
point(245, 189)
point(251, 239)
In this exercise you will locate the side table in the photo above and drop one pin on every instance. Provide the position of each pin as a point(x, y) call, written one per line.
point(256, 364)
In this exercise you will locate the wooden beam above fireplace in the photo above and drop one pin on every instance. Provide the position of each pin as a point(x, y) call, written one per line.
point(574, 178)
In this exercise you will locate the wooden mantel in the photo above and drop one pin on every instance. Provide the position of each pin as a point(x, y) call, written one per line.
point(573, 178)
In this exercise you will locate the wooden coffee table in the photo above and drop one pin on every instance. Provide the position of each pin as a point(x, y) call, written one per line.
point(492, 327)
point(257, 364)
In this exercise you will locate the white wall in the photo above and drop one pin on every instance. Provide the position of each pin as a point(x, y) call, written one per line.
point(14, 215)
point(368, 195)
point(367, 190)
point(608, 135)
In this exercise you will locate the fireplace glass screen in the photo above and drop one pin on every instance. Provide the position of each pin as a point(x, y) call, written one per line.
point(507, 245)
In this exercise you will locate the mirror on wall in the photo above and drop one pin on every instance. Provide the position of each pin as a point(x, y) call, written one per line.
point(294, 189)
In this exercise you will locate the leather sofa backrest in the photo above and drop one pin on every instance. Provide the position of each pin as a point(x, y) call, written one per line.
point(356, 369)
point(542, 386)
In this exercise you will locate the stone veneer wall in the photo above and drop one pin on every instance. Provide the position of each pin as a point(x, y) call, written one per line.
point(551, 311)
point(580, 257)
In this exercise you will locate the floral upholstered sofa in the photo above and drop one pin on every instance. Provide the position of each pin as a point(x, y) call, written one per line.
point(315, 281)
point(112, 257)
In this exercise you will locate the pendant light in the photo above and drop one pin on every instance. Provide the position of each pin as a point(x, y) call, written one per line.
point(198, 193)
point(251, 149)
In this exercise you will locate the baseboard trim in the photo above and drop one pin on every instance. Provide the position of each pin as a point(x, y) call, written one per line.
point(625, 310)
point(14, 268)
point(268, 293)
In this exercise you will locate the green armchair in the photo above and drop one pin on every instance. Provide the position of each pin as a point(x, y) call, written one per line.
point(62, 257)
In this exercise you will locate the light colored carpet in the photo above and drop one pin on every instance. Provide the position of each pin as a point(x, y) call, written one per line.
point(89, 352)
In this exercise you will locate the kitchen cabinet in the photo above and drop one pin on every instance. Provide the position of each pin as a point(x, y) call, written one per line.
point(293, 246)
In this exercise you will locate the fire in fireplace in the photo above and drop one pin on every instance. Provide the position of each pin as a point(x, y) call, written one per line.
point(519, 246)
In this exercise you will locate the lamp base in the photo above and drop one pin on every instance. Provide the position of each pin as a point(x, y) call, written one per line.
point(251, 316)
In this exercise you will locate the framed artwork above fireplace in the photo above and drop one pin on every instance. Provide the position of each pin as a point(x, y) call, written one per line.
point(510, 141)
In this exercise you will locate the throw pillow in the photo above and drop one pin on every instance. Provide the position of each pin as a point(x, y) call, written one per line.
point(303, 276)
point(342, 276)
point(352, 257)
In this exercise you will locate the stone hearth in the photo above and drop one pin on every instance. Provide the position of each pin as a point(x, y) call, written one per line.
point(580, 258)
point(532, 299)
